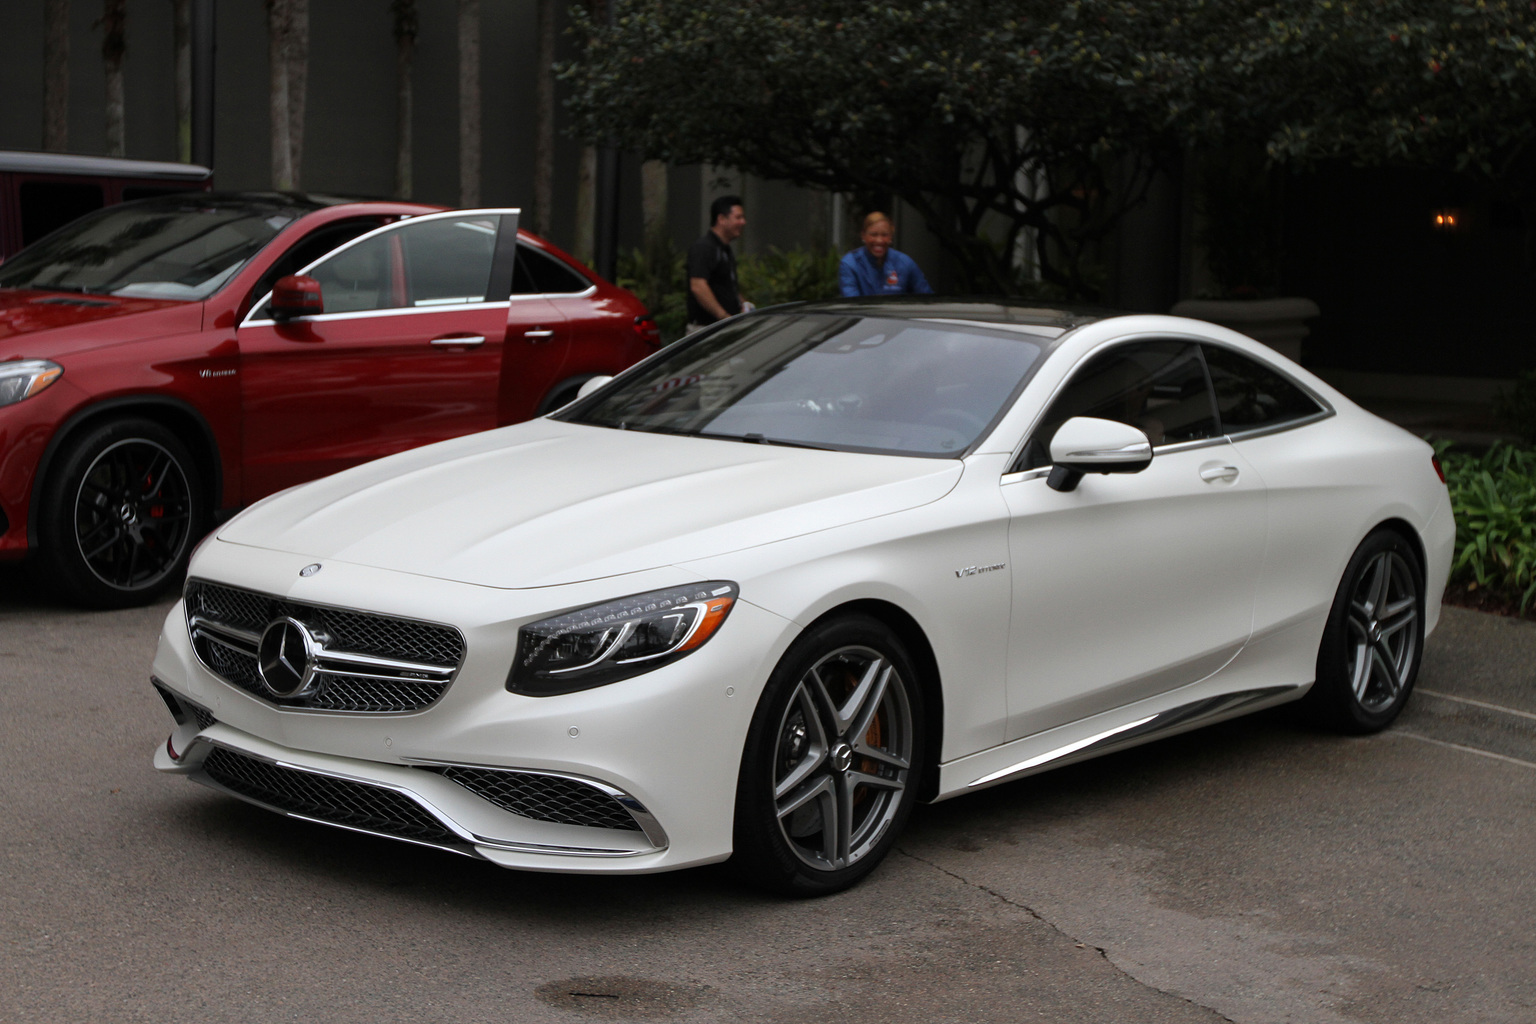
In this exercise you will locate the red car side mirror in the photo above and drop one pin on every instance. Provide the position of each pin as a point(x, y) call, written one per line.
point(296, 295)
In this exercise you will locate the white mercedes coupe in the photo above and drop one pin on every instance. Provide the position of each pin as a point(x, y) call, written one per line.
point(764, 591)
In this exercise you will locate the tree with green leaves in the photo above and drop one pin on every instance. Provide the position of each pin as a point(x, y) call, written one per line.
point(1002, 121)
point(994, 121)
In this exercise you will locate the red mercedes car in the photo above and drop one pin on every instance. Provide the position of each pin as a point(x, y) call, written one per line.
point(167, 361)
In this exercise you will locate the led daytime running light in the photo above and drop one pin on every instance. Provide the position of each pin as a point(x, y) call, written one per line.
point(604, 643)
point(23, 378)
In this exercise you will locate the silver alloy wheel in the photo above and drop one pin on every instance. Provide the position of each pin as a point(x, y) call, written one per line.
point(132, 514)
point(1383, 636)
point(842, 758)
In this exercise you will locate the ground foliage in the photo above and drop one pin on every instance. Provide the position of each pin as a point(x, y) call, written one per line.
point(1494, 498)
point(1038, 122)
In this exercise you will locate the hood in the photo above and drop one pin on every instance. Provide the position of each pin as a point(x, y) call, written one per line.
point(545, 503)
point(83, 321)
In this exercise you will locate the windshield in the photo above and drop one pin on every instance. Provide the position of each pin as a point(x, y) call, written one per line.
point(166, 248)
point(901, 387)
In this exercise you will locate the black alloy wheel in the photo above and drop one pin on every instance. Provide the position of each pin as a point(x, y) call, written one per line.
point(832, 762)
point(120, 515)
point(1373, 643)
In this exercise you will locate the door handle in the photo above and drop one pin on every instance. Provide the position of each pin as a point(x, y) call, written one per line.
point(1212, 473)
point(464, 341)
point(538, 333)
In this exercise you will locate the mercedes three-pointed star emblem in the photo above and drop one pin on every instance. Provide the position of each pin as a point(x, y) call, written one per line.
point(286, 658)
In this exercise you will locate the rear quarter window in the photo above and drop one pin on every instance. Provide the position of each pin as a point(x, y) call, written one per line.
point(1250, 396)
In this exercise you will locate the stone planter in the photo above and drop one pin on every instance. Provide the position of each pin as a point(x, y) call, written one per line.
point(1278, 323)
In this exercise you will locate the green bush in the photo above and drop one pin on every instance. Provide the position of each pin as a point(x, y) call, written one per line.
point(660, 281)
point(789, 275)
point(1494, 498)
point(1516, 408)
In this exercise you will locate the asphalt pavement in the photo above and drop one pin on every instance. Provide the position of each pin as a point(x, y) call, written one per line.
point(1256, 871)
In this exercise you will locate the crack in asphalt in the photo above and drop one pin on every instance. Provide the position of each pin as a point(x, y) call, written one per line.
point(1032, 912)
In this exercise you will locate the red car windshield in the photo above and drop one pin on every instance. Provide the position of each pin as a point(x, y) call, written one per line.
point(164, 248)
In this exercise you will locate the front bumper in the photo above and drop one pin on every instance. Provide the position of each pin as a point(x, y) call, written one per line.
point(660, 752)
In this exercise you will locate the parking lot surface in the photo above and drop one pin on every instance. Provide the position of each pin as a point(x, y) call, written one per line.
point(1256, 871)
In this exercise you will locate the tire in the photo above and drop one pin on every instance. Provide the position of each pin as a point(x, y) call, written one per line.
point(562, 394)
point(1373, 643)
point(833, 762)
point(120, 514)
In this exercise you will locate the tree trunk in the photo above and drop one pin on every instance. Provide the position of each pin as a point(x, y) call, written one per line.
point(279, 23)
point(469, 103)
point(653, 209)
point(586, 206)
point(406, 25)
point(181, 19)
point(56, 76)
point(298, 85)
point(114, 44)
point(544, 135)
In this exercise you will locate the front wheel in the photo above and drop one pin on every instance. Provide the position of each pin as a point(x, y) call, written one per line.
point(832, 762)
point(1374, 640)
point(120, 514)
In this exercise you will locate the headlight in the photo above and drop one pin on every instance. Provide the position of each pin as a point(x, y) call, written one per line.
point(23, 378)
point(608, 642)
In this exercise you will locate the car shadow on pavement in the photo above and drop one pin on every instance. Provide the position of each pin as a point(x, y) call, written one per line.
point(365, 865)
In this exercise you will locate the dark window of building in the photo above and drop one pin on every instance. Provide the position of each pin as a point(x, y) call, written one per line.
point(1250, 396)
point(539, 274)
point(1157, 387)
point(48, 205)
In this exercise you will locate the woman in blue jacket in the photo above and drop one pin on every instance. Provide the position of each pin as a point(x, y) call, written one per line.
point(876, 269)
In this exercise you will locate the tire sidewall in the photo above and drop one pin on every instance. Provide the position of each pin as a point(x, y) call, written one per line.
point(761, 853)
point(1332, 697)
point(64, 566)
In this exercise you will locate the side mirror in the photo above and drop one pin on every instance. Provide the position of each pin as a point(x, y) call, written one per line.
point(1085, 444)
point(592, 385)
point(295, 296)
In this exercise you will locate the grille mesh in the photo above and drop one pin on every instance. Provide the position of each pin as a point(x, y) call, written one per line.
point(203, 716)
point(543, 797)
point(339, 801)
point(357, 632)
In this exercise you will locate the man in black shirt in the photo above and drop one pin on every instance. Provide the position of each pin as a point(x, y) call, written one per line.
point(712, 292)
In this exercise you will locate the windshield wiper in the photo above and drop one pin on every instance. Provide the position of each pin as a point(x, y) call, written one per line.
point(775, 441)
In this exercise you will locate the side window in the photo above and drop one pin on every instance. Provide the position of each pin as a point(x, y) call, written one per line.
point(1250, 395)
point(538, 273)
point(366, 276)
point(448, 261)
point(310, 248)
point(1158, 387)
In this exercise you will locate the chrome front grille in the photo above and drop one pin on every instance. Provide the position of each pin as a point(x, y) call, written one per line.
point(338, 801)
point(544, 797)
point(363, 662)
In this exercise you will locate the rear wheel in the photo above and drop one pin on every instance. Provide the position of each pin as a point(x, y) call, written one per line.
point(1372, 646)
point(120, 514)
point(833, 760)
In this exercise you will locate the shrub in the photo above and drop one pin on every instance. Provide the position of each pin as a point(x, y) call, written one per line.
point(1516, 408)
point(660, 281)
point(789, 275)
point(1494, 499)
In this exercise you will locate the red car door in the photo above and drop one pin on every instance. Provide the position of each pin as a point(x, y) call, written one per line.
point(408, 350)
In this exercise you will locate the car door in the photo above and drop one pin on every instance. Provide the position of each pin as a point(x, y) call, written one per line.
point(408, 350)
point(1132, 584)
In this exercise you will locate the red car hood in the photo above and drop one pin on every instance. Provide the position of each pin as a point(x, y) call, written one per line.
point(42, 324)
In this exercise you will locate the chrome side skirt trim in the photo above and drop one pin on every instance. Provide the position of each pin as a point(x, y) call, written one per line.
point(1186, 716)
